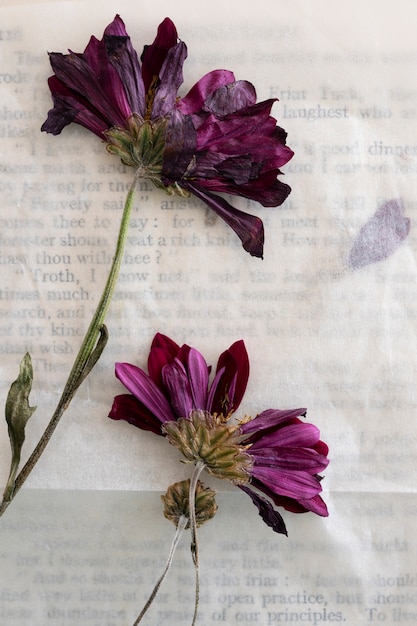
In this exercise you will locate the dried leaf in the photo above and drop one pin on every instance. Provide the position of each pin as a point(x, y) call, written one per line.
point(18, 413)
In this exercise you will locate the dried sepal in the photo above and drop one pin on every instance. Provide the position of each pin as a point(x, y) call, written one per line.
point(18, 412)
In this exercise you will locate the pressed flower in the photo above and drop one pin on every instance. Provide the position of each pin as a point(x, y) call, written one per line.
point(216, 139)
point(275, 453)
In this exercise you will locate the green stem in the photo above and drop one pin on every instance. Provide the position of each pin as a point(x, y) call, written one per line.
point(182, 524)
point(88, 355)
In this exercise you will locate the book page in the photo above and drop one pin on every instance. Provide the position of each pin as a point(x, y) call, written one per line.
point(328, 316)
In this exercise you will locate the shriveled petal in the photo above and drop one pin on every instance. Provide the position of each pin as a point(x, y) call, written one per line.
point(176, 381)
point(145, 390)
point(270, 516)
point(163, 350)
point(270, 419)
point(298, 459)
point(125, 60)
point(291, 484)
point(153, 56)
point(180, 145)
point(126, 407)
point(298, 435)
point(231, 97)
point(171, 78)
point(209, 83)
point(248, 228)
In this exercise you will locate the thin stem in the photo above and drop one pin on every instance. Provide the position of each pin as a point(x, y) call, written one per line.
point(182, 524)
point(199, 466)
point(88, 355)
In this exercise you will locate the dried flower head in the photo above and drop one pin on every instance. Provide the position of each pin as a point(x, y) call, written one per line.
point(176, 502)
point(216, 139)
point(275, 453)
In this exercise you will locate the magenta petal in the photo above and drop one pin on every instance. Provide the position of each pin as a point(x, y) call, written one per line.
point(197, 95)
point(177, 383)
point(145, 390)
point(270, 516)
point(231, 97)
point(315, 505)
point(288, 483)
point(248, 228)
point(381, 236)
point(270, 419)
point(124, 59)
point(229, 384)
point(198, 375)
point(126, 407)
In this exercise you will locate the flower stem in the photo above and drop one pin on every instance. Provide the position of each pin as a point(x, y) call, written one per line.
point(199, 466)
point(182, 524)
point(88, 355)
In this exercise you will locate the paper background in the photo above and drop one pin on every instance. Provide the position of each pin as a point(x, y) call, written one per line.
point(319, 334)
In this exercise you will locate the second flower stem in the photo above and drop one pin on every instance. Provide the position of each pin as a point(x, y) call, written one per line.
point(88, 355)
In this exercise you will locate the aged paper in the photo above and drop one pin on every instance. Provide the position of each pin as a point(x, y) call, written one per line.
point(322, 330)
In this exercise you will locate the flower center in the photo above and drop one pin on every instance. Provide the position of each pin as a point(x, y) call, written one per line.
point(207, 438)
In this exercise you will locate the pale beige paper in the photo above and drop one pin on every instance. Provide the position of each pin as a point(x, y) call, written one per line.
point(320, 335)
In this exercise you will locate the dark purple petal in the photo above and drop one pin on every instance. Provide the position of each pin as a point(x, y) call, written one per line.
point(381, 236)
point(290, 484)
point(153, 56)
point(229, 385)
point(248, 228)
point(124, 59)
point(170, 80)
point(194, 100)
point(180, 145)
point(163, 351)
point(270, 516)
point(271, 418)
point(126, 407)
point(145, 390)
point(178, 385)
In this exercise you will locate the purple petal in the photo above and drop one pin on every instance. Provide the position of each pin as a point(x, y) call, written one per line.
point(231, 379)
point(177, 383)
point(170, 80)
point(180, 145)
point(298, 459)
point(381, 236)
point(209, 83)
point(198, 375)
point(299, 505)
point(270, 419)
point(297, 435)
point(231, 97)
point(126, 407)
point(145, 390)
point(315, 505)
point(290, 484)
point(270, 516)
point(248, 228)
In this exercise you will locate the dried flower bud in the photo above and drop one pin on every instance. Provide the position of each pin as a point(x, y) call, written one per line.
point(176, 502)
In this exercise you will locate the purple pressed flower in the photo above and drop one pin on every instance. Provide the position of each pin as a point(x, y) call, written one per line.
point(216, 139)
point(276, 453)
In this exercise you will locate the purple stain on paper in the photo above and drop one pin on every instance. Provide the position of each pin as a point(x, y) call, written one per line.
point(380, 236)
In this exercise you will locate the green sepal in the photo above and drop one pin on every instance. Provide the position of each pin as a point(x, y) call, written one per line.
point(17, 413)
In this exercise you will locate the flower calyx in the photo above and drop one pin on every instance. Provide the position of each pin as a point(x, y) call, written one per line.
point(176, 502)
point(207, 438)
